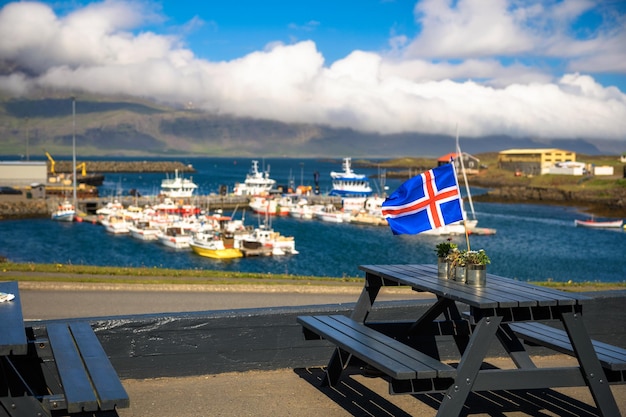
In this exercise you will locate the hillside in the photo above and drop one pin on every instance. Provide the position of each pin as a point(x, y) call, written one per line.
point(132, 127)
point(602, 196)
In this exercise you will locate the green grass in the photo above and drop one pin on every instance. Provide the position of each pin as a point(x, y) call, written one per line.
point(98, 274)
point(118, 275)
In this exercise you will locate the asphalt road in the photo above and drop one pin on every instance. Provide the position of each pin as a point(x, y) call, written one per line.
point(45, 303)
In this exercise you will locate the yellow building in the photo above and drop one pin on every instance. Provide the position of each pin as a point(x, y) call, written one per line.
point(533, 161)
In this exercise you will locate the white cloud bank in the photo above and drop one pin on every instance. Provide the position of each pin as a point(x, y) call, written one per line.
point(415, 86)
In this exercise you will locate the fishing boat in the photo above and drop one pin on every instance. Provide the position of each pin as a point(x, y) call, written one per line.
point(176, 237)
point(266, 236)
point(215, 245)
point(65, 212)
point(347, 184)
point(144, 230)
point(301, 210)
point(599, 224)
point(271, 206)
point(256, 182)
point(116, 224)
point(178, 187)
point(329, 213)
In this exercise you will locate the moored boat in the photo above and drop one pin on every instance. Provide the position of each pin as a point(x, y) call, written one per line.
point(212, 245)
point(348, 183)
point(176, 237)
point(269, 238)
point(599, 224)
point(144, 230)
point(256, 182)
point(178, 187)
point(65, 212)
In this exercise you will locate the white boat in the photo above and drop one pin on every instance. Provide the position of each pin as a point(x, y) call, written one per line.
point(116, 224)
point(269, 238)
point(176, 237)
point(144, 230)
point(349, 184)
point(599, 224)
point(178, 187)
point(256, 182)
point(301, 210)
point(110, 208)
point(65, 212)
point(270, 206)
point(329, 213)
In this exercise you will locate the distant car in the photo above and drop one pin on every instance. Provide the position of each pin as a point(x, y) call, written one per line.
point(9, 190)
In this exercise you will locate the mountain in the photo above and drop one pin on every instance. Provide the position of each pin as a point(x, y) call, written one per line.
point(128, 126)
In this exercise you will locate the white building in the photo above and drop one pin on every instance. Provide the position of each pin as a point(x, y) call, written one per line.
point(23, 173)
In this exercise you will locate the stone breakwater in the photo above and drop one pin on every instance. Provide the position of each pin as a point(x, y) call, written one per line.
point(125, 166)
point(23, 209)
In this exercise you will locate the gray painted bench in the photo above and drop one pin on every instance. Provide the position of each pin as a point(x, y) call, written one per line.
point(393, 358)
point(54, 369)
point(88, 379)
point(612, 358)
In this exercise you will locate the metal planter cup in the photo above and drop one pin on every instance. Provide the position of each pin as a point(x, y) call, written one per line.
point(476, 275)
point(442, 268)
point(458, 273)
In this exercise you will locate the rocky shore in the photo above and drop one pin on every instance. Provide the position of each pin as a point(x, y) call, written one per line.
point(609, 205)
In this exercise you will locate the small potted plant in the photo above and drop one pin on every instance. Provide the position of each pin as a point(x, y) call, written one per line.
point(456, 270)
point(476, 267)
point(444, 249)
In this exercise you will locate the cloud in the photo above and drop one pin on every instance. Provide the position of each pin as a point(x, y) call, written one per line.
point(413, 87)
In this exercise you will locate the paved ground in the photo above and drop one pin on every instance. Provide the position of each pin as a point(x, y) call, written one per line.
point(297, 392)
point(286, 392)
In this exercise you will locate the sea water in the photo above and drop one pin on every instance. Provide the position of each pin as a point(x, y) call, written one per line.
point(533, 242)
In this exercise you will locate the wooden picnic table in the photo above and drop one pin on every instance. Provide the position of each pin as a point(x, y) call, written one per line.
point(504, 310)
point(55, 369)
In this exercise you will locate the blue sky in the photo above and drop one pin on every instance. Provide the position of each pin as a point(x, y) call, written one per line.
point(540, 69)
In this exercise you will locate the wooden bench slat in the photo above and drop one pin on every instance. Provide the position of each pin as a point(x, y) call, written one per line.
point(107, 384)
point(611, 357)
point(12, 332)
point(388, 355)
point(79, 394)
point(442, 369)
point(360, 349)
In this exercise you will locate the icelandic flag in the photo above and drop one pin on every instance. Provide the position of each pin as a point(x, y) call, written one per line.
point(424, 202)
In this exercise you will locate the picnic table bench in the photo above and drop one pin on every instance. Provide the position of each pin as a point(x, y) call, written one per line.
point(56, 369)
point(514, 313)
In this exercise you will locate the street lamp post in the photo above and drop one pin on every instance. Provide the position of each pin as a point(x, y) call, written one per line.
point(74, 147)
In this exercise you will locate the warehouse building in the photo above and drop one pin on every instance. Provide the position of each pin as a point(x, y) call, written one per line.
point(22, 173)
point(533, 161)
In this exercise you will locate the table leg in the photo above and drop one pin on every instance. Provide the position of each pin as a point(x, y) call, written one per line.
point(369, 293)
point(468, 367)
point(337, 364)
point(591, 368)
point(514, 347)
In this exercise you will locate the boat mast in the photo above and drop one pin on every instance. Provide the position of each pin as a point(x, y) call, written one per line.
point(460, 156)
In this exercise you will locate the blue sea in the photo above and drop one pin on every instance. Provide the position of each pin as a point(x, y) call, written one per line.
point(533, 242)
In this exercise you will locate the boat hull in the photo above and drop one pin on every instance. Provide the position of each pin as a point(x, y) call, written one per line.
point(599, 225)
point(225, 253)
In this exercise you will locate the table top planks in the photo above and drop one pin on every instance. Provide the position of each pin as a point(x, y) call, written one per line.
point(499, 292)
